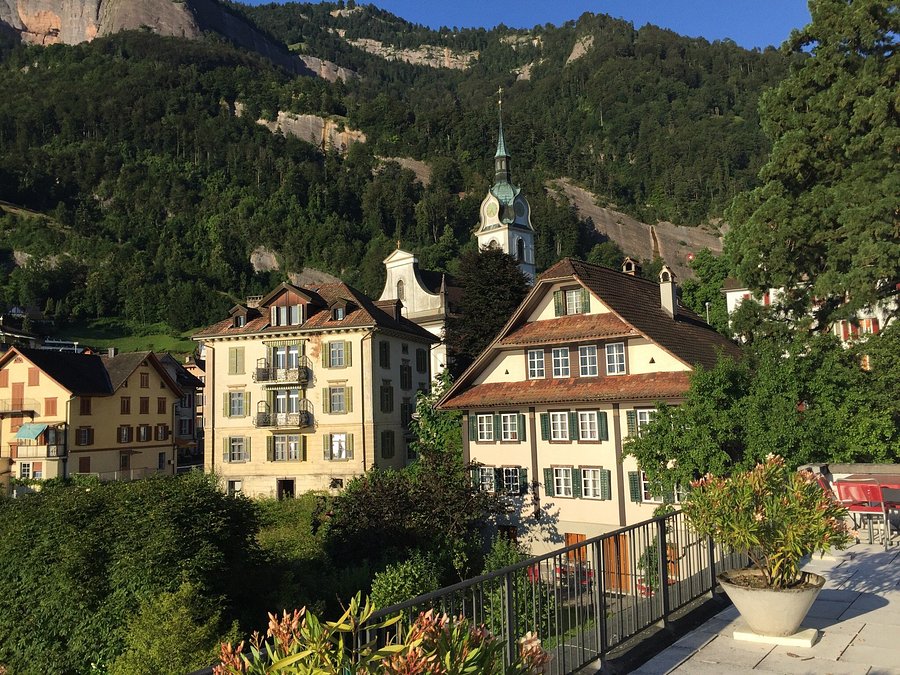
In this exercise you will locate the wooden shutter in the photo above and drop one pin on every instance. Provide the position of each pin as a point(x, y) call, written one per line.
point(576, 482)
point(226, 408)
point(326, 400)
point(498, 480)
point(247, 455)
point(226, 443)
point(246, 404)
point(605, 484)
point(631, 417)
point(585, 300)
point(326, 350)
point(348, 399)
point(497, 434)
point(573, 425)
point(270, 449)
point(349, 446)
point(523, 481)
point(548, 482)
point(273, 316)
point(473, 474)
point(348, 353)
point(521, 424)
point(302, 448)
point(602, 425)
point(634, 486)
point(473, 427)
point(545, 426)
point(559, 303)
point(326, 445)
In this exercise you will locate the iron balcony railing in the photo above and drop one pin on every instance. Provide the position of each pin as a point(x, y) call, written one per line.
point(286, 420)
point(266, 373)
point(121, 475)
point(8, 405)
point(586, 599)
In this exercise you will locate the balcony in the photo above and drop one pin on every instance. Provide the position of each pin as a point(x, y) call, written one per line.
point(121, 475)
point(41, 451)
point(285, 420)
point(18, 405)
point(265, 373)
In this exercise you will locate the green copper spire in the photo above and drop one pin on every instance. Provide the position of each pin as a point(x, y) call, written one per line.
point(501, 157)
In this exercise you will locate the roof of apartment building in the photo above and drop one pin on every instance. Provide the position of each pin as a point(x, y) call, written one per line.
point(186, 380)
point(361, 312)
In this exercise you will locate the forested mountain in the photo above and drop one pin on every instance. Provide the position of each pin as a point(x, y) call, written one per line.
point(157, 192)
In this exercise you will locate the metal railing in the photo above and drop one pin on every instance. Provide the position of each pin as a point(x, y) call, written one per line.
point(586, 599)
point(121, 475)
point(267, 373)
point(19, 405)
point(287, 420)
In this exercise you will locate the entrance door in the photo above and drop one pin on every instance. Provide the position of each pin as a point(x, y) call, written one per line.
point(615, 564)
point(84, 465)
point(285, 488)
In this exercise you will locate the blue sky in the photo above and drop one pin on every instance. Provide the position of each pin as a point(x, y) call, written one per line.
point(750, 23)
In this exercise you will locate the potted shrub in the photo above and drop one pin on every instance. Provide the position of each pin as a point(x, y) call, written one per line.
point(776, 516)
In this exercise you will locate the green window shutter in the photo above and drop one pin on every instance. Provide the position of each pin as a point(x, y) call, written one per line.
point(605, 484)
point(226, 408)
point(348, 399)
point(634, 486)
point(270, 449)
point(545, 426)
point(247, 447)
point(631, 417)
point(523, 481)
point(326, 349)
point(576, 483)
point(559, 303)
point(521, 429)
point(349, 446)
point(326, 446)
point(473, 427)
point(240, 360)
point(498, 480)
point(585, 300)
point(602, 425)
point(303, 448)
point(246, 404)
point(548, 482)
point(473, 474)
point(348, 353)
point(573, 425)
point(498, 428)
point(226, 443)
point(326, 400)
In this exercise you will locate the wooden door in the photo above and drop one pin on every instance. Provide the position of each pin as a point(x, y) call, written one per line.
point(18, 395)
point(84, 465)
point(616, 575)
point(576, 554)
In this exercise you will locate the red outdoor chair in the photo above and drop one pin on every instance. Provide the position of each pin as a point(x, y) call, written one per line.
point(863, 501)
point(890, 502)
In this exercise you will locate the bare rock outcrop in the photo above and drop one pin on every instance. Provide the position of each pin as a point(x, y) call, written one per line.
point(580, 48)
point(424, 55)
point(418, 167)
point(328, 70)
point(321, 131)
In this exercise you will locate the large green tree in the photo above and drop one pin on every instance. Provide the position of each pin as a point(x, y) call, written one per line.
point(823, 224)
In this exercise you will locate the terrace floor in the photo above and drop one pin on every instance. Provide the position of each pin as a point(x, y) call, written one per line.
point(857, 613)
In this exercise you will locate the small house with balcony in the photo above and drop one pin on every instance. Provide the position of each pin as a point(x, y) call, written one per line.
point(65, 413)
point(308, 387)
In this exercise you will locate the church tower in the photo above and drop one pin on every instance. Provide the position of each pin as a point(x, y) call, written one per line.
point(505, 216)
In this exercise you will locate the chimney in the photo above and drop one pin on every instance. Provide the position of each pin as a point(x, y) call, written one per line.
point(111, 352)
point(668, 292)
point(631, 267)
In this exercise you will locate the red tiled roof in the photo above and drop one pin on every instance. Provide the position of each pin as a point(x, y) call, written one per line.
point(569, 329)
point(652, 386)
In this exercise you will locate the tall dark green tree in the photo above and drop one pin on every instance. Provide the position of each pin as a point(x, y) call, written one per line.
point(824, 222)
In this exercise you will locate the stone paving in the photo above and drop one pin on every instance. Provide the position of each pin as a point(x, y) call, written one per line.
point(857, 613)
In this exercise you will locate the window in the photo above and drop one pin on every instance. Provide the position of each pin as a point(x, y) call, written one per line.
point(647, 494)
point(161, 405)
point(387, 444)
point(536, 364)
point(144, 405)
point(404, 348)
point(287, 448)
point(34, 377)
point(37, 470)
point(235, 360)
point(85, 405)
point(125, 405)
point(384, 354)
point(485, 427)
point(185, 427)
point(559, 426)
point(145, 380)
point(125, 434)
point(421, 360)
point(401, 291)
point(240, 321)
point(387, 397)
point(338, 314)
point(84, 436)
point(235, 487)
point(124, 461)
point(162, 432)
point(236, 404)
point(587, 360)
point(509, 427)
point(406, 411)
point(643, 417)
point(587, 425)
point(511, 480)
point(338, 447)
point(337, 399)
point(4, 378)
point(336, 355)
point(50, 407)
point(405, 376)
point(562, 482)
point(145, 433)
point(486, 478)
point(237, 449)
point(615, 358)
point(560, 362)
point(571, 301)
point(590, 483)
point(25, 470)
point(520, 249)
point(285, 315)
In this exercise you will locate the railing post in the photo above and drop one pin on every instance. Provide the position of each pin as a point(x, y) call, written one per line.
point(711, 547)
point(663, 558)
point(599, 594)
point(510, 618)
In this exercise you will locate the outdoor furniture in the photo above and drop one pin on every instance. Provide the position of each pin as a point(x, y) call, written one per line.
point(890, 502)
point(868, 497)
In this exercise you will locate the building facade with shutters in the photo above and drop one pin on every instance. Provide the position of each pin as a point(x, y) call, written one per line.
point(308, 387)
point(65, 413)
point(579, 368)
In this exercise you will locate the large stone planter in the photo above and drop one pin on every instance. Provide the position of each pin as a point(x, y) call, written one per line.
point(769, 611)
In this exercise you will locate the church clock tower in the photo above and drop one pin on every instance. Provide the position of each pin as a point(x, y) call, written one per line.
point(505, 216)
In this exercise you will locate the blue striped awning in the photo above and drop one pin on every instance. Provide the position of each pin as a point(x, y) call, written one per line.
point(30, 431)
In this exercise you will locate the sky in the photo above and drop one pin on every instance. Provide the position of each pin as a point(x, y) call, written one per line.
point(750, 23)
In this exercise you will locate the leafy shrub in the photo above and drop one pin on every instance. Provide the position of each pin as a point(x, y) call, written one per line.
point(401, 581)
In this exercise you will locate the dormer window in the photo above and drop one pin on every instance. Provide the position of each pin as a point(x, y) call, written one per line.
point(571, 301)
point(240, 321)
point(338, 314)
point(284, 315)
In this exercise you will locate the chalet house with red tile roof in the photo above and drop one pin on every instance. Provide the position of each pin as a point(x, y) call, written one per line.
point(308, 387)
point(578, 368)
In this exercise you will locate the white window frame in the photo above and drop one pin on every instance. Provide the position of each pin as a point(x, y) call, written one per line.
point(485, 427)
point(509, 427)
point(511, 480)
point(336, 356)
point(234, 487)
point(237, 449)
point(236, 404)
point(573, 302)
point(339, 446)
point(642, 417)
point(560, 358)
point(562, 481)
point(486, 478)
point(279, 357)
point(25, 470)
point(286, 448)
point(615, 358)
point(536, 366)
point(590, 483)
point(649, 498)
point(588, 425)
point(559, 426)
point(587, 361)
point(337, 398)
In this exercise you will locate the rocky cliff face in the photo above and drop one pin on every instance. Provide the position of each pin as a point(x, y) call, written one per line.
point(321, 131)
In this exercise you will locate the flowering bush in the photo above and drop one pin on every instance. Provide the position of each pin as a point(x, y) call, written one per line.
point(774, 514)
point(299, 644)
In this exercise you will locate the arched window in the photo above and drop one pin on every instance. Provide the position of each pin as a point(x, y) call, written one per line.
point(520, 250)
point(400, 290)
